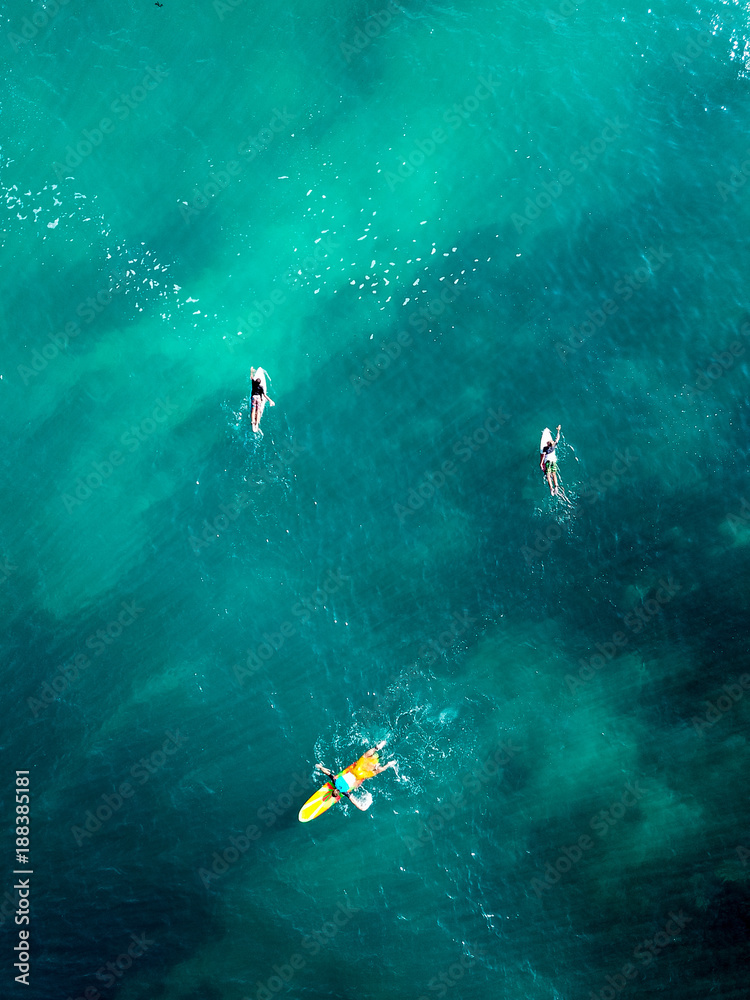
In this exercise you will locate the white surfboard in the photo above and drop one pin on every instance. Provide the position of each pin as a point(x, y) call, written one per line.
point(260, 376)
point(546, 439)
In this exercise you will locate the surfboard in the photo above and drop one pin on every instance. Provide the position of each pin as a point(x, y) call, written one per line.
point(317, 803)
point(323, 799)
point(260, 375)
point(546, 439)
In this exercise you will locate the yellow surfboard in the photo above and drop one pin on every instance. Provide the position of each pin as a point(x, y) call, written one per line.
point(317, 803)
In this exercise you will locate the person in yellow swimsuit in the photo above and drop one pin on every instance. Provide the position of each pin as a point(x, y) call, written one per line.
point(352, 777)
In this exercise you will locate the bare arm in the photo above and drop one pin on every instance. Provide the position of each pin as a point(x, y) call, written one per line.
point(325, 770)
point(355, 803)
point(559, 428)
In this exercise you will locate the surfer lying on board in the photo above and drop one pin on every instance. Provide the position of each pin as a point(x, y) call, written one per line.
point(548, 463)
point(352, 777)
point(258, 396)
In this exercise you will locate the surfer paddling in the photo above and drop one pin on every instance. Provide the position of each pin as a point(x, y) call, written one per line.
point(548, 462)
point(352, 777)
point(258, 397)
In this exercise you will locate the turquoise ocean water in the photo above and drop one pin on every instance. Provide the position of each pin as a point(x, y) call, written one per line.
point(440, 228)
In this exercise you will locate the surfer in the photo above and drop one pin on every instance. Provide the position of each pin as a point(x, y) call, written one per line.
point(258, 397)
point(352, 777)
point(548, 462)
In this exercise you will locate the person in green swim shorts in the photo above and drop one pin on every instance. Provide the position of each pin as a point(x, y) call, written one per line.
point(352, 777)
point(548, 464)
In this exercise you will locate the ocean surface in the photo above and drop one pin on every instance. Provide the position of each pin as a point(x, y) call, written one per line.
point(441, 228)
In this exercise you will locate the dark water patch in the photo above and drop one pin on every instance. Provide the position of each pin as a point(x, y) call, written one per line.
point(143, 921)
point(204, 991)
